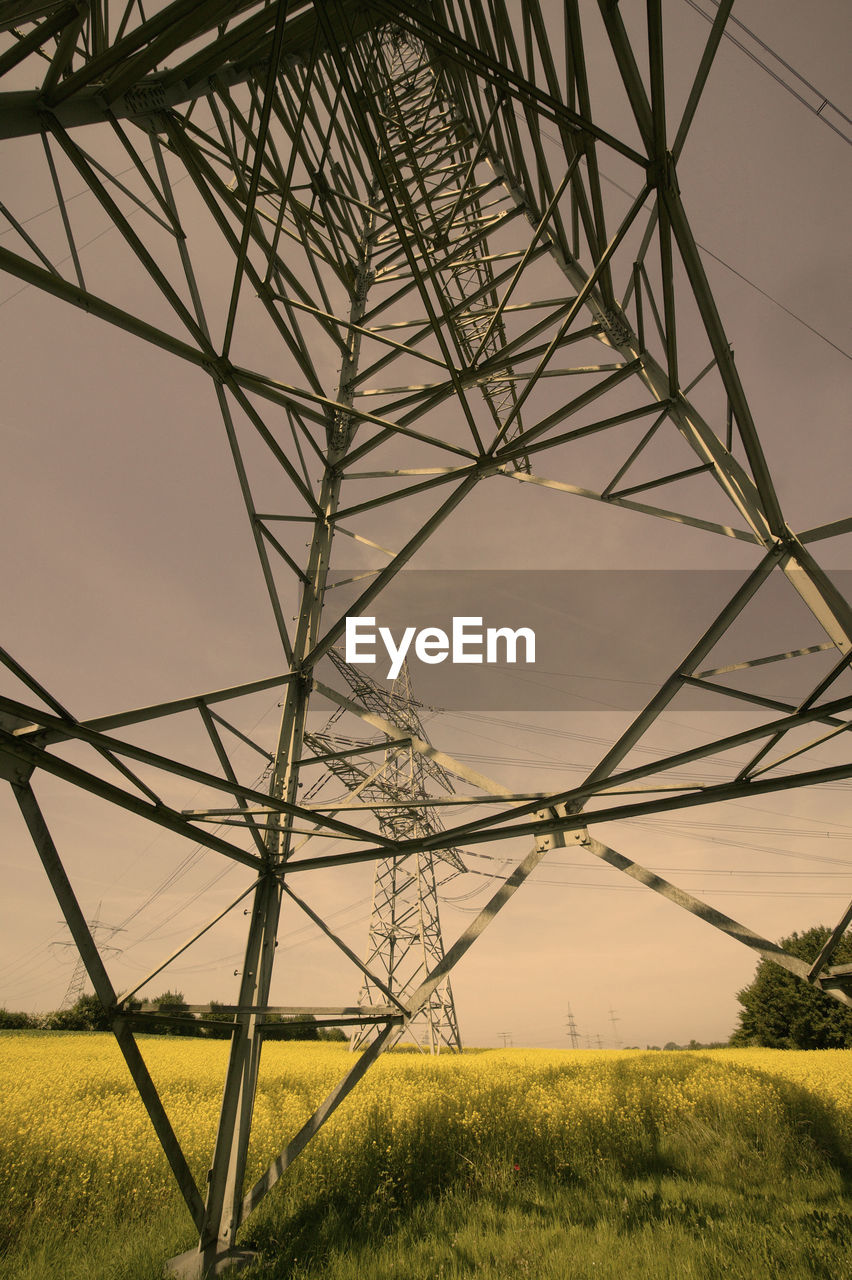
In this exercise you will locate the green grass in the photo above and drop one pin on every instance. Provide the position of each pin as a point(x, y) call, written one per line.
point(710, 1196)
point(664, 1227)
point(683, 1167)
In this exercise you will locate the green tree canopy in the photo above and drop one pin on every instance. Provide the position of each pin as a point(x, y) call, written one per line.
point(12, 1020)
point(173, 1005)
point(225, 1020)
point(87, 1014)
point(280, 1028)
point(780, 1011)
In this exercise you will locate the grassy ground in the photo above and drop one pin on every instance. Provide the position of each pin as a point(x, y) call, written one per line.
point(662, 1226)
point(504, 1164)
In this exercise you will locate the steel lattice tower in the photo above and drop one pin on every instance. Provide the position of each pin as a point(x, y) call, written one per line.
point(405, 940)
point(571, 1029)
point(77, 982)
point(428, 293)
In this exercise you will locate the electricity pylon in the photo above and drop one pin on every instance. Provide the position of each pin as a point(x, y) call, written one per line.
point(405, 940)
point(571, 1029)
point(77, 981)
point(614, 1018)
point(424, 276)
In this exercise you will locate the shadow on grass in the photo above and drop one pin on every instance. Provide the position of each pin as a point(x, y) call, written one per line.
point(705, 1182)
point(464, 1234)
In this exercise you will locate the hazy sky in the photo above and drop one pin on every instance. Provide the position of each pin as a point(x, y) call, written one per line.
point(129, 576)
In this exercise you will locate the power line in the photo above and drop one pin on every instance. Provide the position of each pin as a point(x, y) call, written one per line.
point(784, 308)
point(745, 279)
point(80, 247)
point(824, 100)
point(722, 261)
point(637, 888)
point(67, 200)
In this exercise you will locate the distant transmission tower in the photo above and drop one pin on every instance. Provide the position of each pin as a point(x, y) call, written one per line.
point(571, 1029)
point(405, 939)
point(77, 981)
point(614, 1018)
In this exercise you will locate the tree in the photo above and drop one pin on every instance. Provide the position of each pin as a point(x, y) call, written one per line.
point(12, 1021)
point(780, 1011)
point(173, 1004)
point(218, 1015)
point(87, 1014)
point(91, 1009)
point(279, 1028)
point(332, 1033)
point(693, 1044)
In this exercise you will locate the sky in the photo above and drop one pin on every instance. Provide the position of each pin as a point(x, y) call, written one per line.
point(130, 577)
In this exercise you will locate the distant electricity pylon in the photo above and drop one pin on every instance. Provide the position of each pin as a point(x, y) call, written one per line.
point(77, 982)
point(614, 1018)
point(571, 1029)
point(405, 940)
point(377, 236)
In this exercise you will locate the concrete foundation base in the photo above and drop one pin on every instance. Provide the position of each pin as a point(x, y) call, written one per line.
point(194, 1265)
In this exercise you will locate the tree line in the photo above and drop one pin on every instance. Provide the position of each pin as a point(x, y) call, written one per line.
point(88, 1014)
point(779, 1011)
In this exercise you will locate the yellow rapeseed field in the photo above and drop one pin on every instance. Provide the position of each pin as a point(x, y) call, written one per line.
point(76, 1143)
